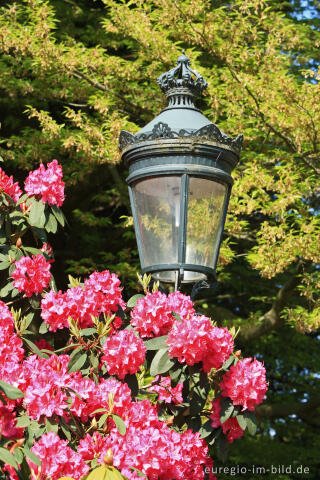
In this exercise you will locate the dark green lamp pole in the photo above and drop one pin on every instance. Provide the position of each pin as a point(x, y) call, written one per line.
point(179, 183)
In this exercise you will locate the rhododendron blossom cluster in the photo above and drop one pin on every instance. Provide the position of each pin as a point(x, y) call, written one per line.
point(57, 459)
point(150, 445)
point(195, 340)
point(47, 183)
point(8, 186)
point(31, 275)
point(124, 352)
point(152, 315)
point(245, 383)
point(101, 293)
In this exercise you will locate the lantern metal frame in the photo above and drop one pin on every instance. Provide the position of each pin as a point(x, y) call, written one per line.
point(165, 149)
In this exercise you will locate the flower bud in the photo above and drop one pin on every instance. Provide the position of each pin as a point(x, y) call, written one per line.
point(108, 458)
point(19, 242)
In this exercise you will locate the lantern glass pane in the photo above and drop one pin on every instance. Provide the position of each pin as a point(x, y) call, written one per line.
point(157, 207)
point(206, 206)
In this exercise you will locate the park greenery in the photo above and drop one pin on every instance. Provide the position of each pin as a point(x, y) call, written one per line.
point(73, 74)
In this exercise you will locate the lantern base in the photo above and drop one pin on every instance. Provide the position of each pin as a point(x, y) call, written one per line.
point(186, 273)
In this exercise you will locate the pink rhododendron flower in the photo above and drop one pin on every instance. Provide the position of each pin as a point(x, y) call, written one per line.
point(11, 347)
point(91, 446)
point(43, 380)
point(166, 393)
point(152, 315)
point(31, 275)
point(8, 426)
point(57, 459)
point(47, 183)
point(245, 383)
point(152, 447)
point(181, 304)
point(105, 288)
point(188, 339)
point(194, 340)
point(230, 427)
point(219, 348)
point(55, 310)
point(101, 294)
point(8, 186)
point(124, 352)
point(99, 397)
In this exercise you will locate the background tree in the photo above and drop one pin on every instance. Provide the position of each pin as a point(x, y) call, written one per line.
point(73, 74)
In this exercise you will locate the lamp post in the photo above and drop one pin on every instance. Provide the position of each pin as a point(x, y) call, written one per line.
point(179, 182)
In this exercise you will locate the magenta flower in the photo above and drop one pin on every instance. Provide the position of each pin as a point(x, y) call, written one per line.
point(124, 353)
point(31, 275)
point(47, 183)
point(8, 186)
point(57, 459)
point(101, 294)
point(245, 383)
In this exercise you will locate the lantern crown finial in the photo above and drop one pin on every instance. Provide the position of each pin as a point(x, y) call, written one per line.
point(182, 80)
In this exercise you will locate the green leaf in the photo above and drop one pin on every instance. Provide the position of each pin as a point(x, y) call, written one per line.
point(132, 302)
point(227, 408)
point(251, 422)
point(242, 421)
point(206, 429)
point(34, 348)
point(77, 362)
point(7, 457)
point(51, 225)
point(228, 363)
point(88, 331)
point(177, 372)
point(103, 419)
point(32, 250)
point(33, 457)
point(58, 214)
point(44, 327)
point(4, 265)
point(6, 290)
point(37, 217)
point(23, 421)
point(10, 391)
point(156, 343)
point(161, 363)
point(121, 426)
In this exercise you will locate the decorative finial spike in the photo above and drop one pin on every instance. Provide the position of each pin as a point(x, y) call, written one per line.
point(182, 79)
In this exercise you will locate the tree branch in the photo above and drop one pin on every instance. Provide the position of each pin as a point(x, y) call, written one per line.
point(306, 411)
point(271, 320)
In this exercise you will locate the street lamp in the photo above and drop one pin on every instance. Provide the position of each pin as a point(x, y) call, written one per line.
point(179, 182)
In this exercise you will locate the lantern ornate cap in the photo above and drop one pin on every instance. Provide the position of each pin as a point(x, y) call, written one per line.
point(182, 79)
point(180, 121)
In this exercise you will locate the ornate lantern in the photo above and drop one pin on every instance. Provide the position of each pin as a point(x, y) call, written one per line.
point(179, 182)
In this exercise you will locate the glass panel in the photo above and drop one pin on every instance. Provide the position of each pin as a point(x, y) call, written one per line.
point(206, 206)
point(157, 206)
